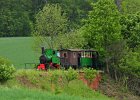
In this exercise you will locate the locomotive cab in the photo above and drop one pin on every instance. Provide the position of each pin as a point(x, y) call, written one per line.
point(49, 58)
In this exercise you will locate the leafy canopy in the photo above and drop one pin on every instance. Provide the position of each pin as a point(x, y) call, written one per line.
point(102, 26)
point(49, 23)
point(130, 29)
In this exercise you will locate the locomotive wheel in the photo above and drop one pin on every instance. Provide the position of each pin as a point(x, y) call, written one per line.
point(54, 66)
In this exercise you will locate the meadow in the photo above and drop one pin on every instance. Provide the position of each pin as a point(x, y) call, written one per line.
point(19, 50)
point(26, 94)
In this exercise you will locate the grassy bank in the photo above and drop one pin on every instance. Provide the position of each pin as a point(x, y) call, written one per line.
point(47, 87)
point(18, 50)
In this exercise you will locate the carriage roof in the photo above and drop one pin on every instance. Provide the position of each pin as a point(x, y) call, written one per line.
point(78, 50)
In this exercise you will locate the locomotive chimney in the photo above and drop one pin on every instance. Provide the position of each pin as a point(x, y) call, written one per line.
point(43, 50)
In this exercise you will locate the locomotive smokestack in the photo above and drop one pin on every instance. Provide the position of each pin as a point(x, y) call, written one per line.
point(43, 50)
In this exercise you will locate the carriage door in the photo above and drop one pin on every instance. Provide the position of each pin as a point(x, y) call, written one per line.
point(78, 59)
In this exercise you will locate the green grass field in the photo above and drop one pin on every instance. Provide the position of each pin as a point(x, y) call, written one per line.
point(19, 50)
point(26, 94)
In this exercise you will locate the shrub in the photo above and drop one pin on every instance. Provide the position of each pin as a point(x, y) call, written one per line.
point(89, 74)
point(54, 76)
point(70, 74)
point(130, 64)
point(55, 79)
point(4, 61)
point(6, 72)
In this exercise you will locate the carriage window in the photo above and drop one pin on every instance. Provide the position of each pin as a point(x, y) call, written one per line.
point(79, 55)
point(74, 54)
point(86, 54)
point(82, 55)
point(65, 54)
point(94, 55)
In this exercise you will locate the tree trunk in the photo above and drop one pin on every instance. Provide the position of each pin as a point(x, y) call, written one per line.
point(115, 74)
point(107, 67)
point(118, 3)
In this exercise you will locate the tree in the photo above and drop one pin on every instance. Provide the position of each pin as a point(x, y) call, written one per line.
point(70, 40)
point(131, 29)
point(75, 10)
point(14, 18)
point(50, 22)
point(130, 6)
point(102, 27)
point(17, 17)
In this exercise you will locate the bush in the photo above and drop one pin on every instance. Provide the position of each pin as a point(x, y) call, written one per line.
point(54, 76)
point(89, 74)
point(128, 72)
point(6, 70)
point(4, 61)
point(130, 64)
point(70, 74)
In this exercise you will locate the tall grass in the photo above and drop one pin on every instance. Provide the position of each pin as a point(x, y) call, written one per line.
point(26, 94)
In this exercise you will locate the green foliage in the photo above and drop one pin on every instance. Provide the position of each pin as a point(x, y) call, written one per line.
point(116, 51)
point(102, 26)
point(70, 74)
point(129, 69)
point(50, 22)
point(124, 84)
point(130, 6)
point(71, 40)
point(90, 74)
point(18, 17)
point(6, 72)
point(6, 69)
point(75, 10)
point(56, 80)
point(55, 76)
point(130, 64)
point(131, 29)
point(15, 19)
point(76, 87)
point(4, 61)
